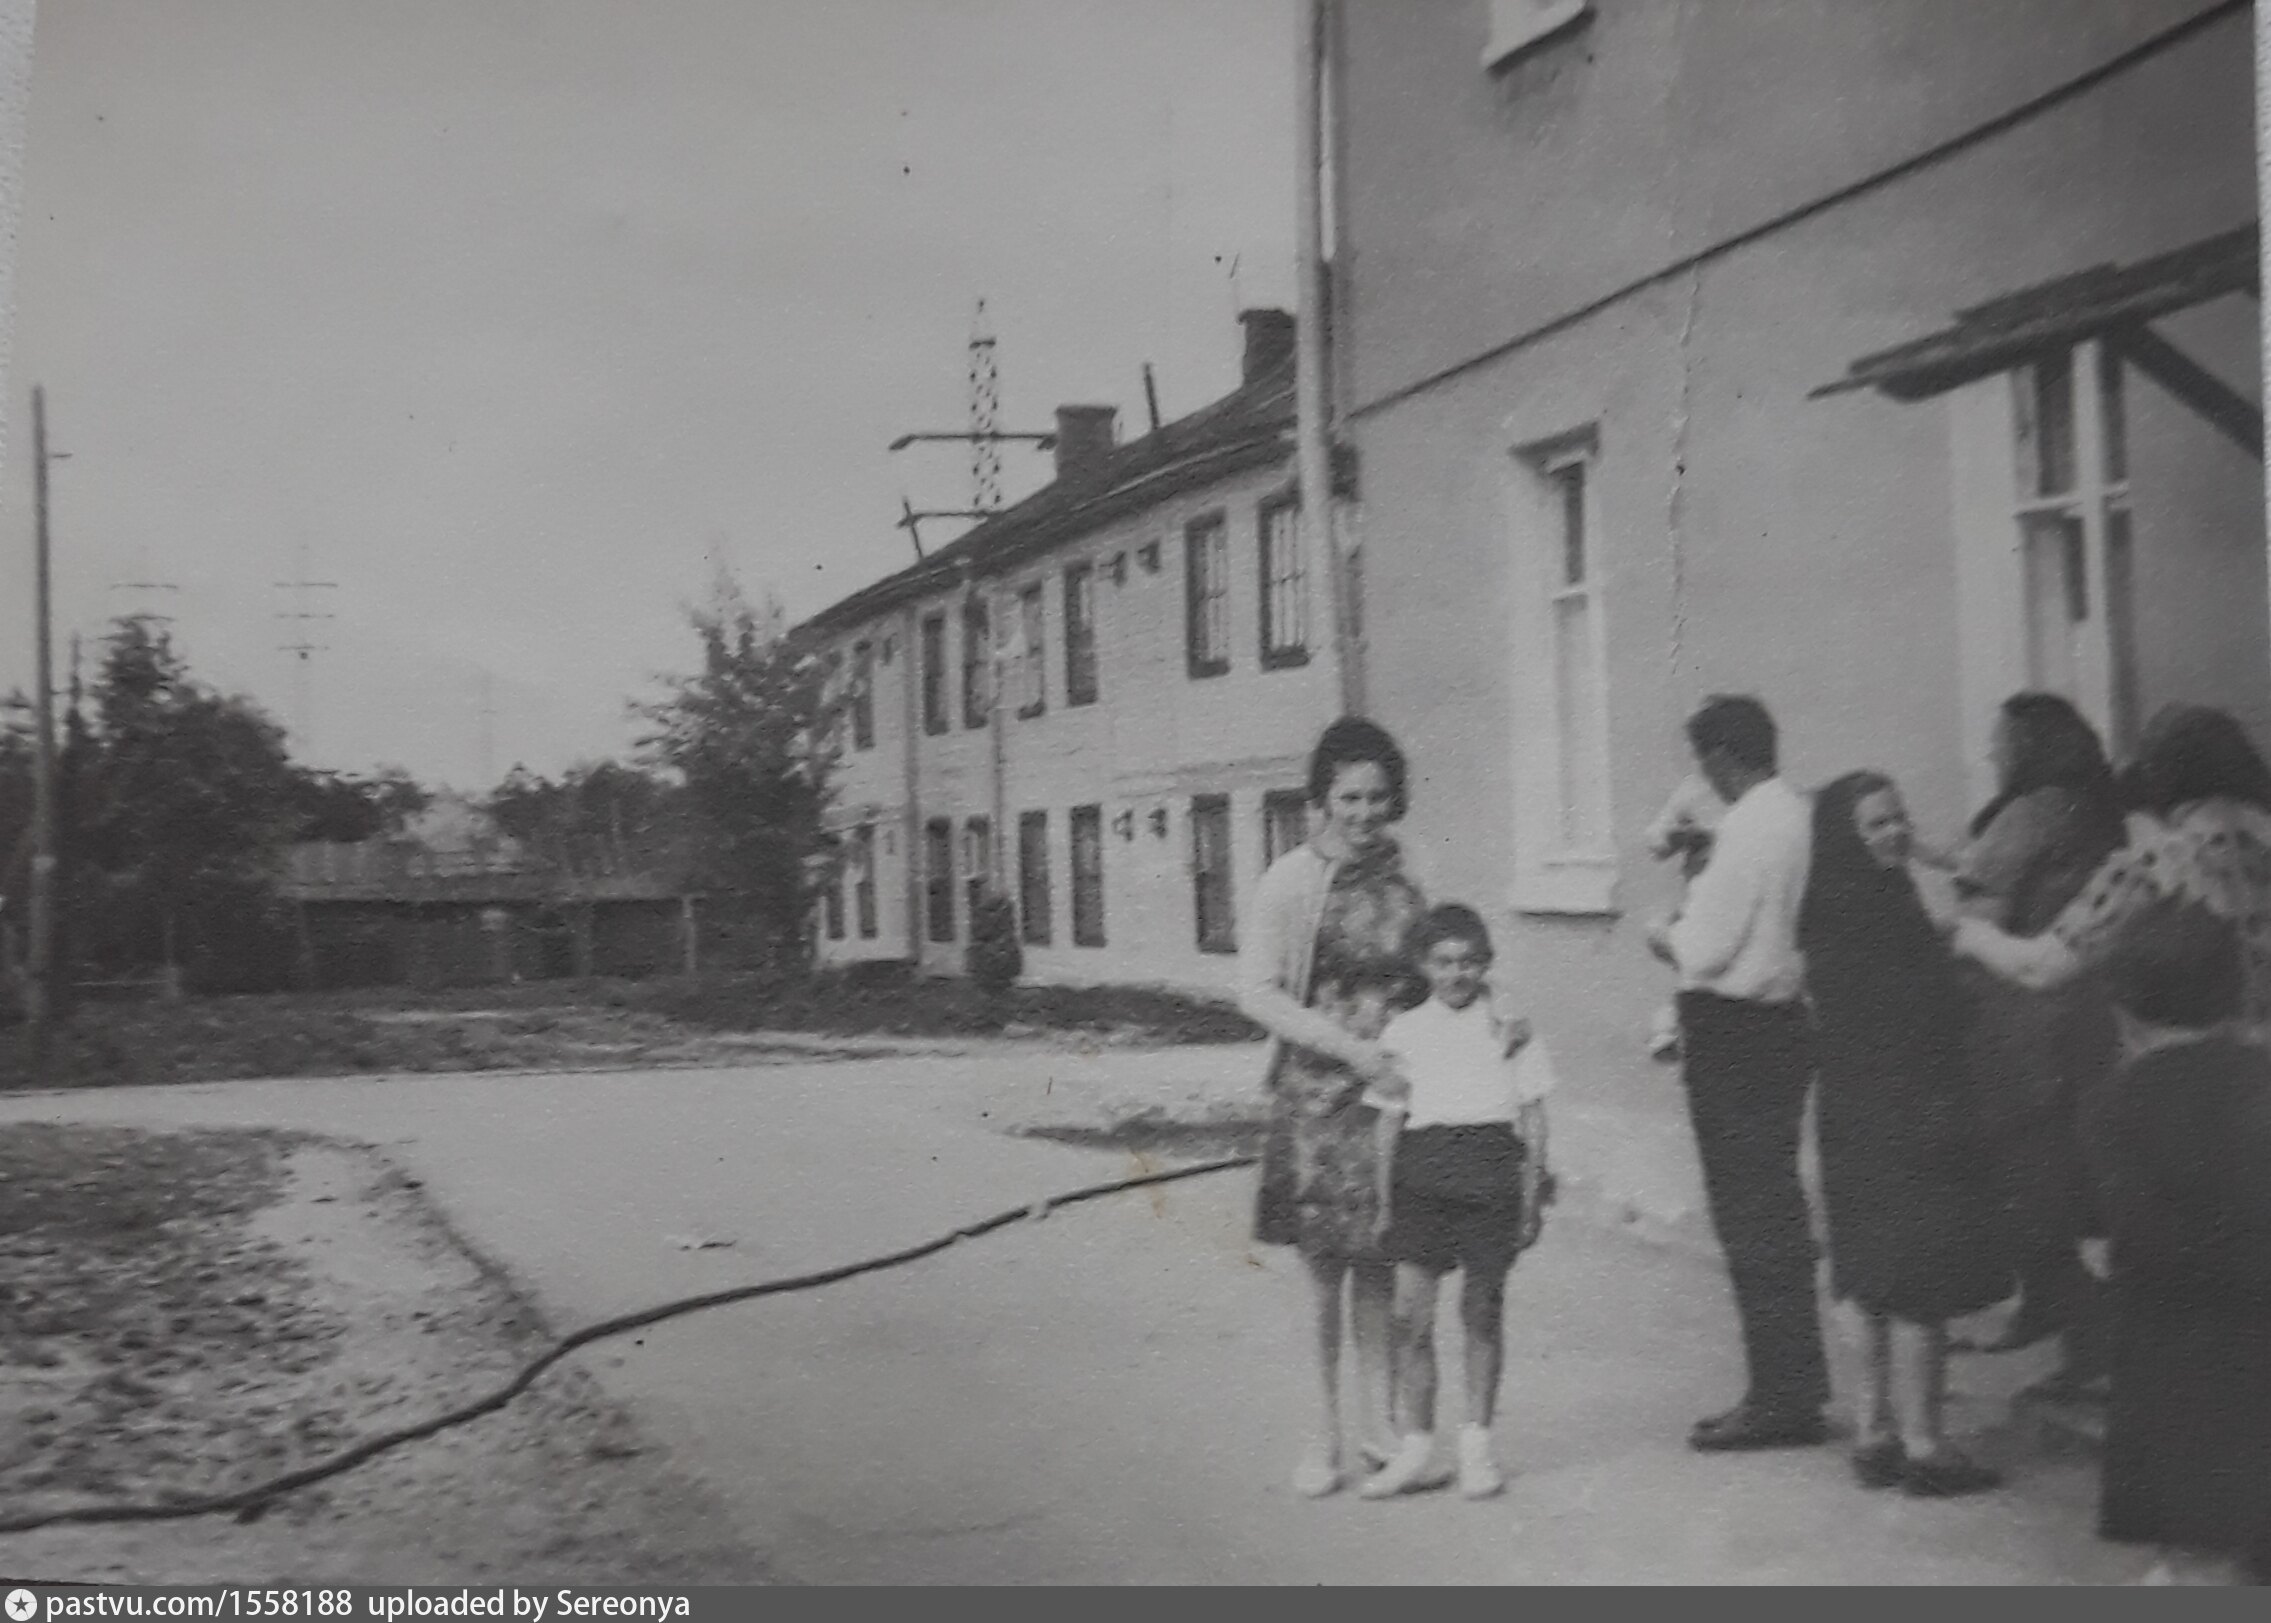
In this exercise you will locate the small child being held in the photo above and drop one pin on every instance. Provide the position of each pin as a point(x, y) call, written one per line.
point(1683, 829)
point(1464, 1169)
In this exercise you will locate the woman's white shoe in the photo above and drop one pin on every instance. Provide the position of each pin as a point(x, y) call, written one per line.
point(1412, 1469)
point(1318, 1476)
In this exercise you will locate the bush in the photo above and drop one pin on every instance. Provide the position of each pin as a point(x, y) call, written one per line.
point(996, 959)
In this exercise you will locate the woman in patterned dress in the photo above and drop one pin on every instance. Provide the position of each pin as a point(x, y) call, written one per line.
point(2188, 1446)
point(2035, 1057)
point(1322, 964)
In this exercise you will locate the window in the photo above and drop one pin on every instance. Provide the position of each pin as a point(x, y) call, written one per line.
point(863, 696)
point(1565, 859)
point(1033, 904)
point(977, 860)
point(1206, 566)
point(1032, 652)
point(1210, 873)
point(863, 878)
point(977, 649)
point(832, 903)
point(1285, 588)
point(938, 878)
point(2069, 425)
point(1285, 822)
point(1080, 634)
point(1088, 876)
point(934, 673)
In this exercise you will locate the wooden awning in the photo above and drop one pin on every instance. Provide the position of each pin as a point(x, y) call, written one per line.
point(2012, 330)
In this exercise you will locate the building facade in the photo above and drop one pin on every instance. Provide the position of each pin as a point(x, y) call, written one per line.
point(1879, 360)
point(1099, 701)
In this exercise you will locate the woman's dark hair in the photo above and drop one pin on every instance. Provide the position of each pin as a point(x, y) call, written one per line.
point(1845, 885)
point(1737, 724)
point(1353, 741)
point(2053, 747)
point(2191, 753)
point(1447, 921)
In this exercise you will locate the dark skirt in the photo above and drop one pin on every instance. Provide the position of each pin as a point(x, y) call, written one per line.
point(1912, 1222)
point(2181, 1147)
point(2035, 1059)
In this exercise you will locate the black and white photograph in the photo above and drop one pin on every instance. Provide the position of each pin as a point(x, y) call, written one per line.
point(1130, 792)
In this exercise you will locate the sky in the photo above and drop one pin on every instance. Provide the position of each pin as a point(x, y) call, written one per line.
point(517, 319)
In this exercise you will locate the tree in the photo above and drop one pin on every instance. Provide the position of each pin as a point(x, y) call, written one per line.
point(180, 802)
point(598, 818)
point(342, 809)
point(744, 737)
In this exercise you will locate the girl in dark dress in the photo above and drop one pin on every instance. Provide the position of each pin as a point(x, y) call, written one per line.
point(1911, 1235)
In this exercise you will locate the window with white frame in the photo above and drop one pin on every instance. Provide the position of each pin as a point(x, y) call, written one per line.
point(1565, 856)
point(863, 696)
point(977, 660)
point(1285, 822)
point(1032, 651)
point(1212, 902)
point(977, 861)
point(863, 879)
point(1080, 633)
point(1206, 596)
point(938, 878)
point(1285, 587)
point(934, 673)
point(2070, 444)
point(1087, 823)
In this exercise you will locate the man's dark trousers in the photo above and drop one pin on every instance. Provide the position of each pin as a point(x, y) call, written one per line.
point(1748, 1066)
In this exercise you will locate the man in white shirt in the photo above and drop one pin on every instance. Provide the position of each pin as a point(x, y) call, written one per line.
point(1748, 1064)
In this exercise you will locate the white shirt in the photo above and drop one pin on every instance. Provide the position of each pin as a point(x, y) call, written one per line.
point(1456, 1062)
point(1737, 935)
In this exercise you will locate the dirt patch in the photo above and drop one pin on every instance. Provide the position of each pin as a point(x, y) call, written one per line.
point(582, 1025)
point(190, 1313)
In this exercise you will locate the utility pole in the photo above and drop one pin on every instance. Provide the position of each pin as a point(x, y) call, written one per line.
point(1312, 391)
point(39, 1000)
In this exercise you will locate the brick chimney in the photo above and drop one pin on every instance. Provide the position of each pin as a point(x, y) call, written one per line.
point(1085, 437)
point(1269, 342)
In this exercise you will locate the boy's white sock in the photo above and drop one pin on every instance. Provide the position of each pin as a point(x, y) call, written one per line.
point(1479, 1474)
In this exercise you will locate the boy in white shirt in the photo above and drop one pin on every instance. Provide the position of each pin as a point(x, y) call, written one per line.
point(1466, 1182)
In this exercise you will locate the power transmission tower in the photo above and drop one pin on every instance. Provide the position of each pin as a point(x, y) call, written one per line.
point(985, 411)
point(984, 437)
point(488, 735)
point(302, 648)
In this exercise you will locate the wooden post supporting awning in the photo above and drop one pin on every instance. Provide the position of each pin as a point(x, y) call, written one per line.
point(2114, 303)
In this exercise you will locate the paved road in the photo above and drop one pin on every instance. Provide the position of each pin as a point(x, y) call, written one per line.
point(1112, 1395)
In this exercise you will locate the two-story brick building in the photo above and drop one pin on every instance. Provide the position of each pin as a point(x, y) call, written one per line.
point(1880, 360)
point(1149, 621)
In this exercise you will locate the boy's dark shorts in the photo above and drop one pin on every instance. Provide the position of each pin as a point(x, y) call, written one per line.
point(1456, 1199)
